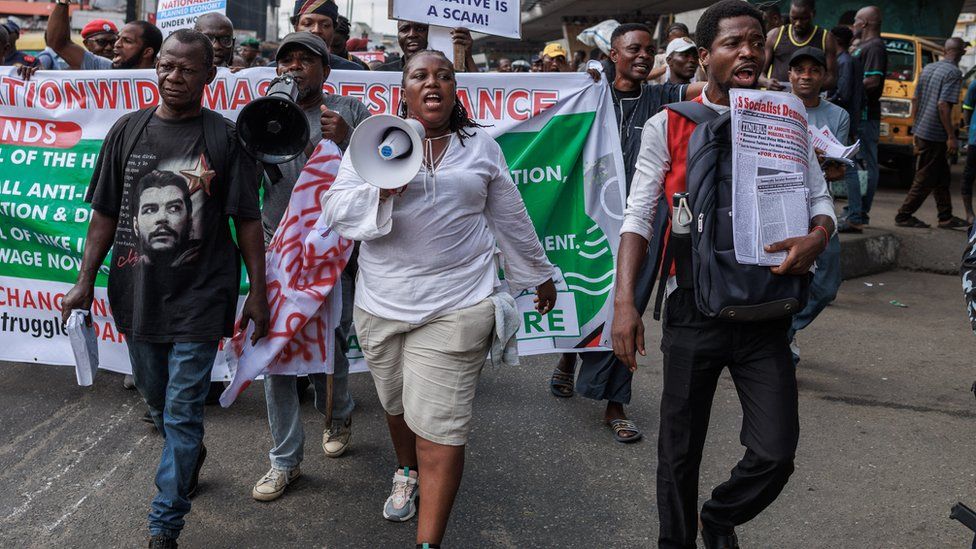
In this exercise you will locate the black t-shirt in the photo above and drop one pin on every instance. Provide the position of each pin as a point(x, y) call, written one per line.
point(874, 58)
point(633, 110)
point(175, 271)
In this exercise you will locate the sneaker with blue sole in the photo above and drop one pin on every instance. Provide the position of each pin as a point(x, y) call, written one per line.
point(401, 506)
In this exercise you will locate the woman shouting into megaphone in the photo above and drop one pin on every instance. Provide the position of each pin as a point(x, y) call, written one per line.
point(428, 293)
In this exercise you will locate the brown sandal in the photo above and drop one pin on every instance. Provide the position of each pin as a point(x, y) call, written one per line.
point(561, 384)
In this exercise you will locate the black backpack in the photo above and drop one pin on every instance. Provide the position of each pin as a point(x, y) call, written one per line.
point(723, 287)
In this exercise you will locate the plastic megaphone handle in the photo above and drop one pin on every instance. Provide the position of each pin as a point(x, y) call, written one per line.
point(396, 144)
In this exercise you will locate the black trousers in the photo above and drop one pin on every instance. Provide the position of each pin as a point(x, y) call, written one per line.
point(931, 177)
point(696, 350)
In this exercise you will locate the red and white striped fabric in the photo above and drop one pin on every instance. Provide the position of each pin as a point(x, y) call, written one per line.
point(304, 263)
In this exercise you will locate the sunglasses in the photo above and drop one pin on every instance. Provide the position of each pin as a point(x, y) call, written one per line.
point(103, 42)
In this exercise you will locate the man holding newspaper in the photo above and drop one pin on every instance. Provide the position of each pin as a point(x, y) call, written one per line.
point(829, 127)
point(778, 216)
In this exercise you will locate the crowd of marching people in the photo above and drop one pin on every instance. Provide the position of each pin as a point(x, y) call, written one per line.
point(421, 287)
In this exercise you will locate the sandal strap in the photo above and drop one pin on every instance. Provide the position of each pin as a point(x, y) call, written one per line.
point(561, 376)
point(623, 425)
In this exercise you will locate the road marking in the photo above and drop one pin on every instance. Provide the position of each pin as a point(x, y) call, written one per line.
point(98, 484)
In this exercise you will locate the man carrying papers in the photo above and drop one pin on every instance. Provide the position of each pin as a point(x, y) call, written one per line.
point(697, 345)
point(807, 75)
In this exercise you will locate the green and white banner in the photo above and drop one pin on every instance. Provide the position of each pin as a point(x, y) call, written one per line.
point(557, 131)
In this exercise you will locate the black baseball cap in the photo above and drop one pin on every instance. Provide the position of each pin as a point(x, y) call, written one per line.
point(307, 40)
point(809, 52)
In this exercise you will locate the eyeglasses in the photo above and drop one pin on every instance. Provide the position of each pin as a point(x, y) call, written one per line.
point(225, 41)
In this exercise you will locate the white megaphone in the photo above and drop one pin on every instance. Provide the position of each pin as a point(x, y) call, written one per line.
point(387, 151)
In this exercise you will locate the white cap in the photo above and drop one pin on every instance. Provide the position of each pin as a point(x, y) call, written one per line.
point(679, 44)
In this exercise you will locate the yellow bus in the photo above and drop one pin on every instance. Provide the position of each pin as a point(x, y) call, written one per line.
point(906, 56)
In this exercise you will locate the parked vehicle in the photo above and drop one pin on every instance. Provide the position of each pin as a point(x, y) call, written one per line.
point(907, 55)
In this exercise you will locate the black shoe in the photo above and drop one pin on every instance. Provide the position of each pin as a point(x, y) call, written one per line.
point(911, 222)
point(162, 542)
point(719, 541)
point(953, 223)
point(195, 479)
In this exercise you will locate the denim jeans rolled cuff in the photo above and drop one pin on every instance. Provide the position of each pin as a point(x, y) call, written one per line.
point(853, 210)
point(823, 289)
point(284, 418)
point(174, 379)
point(342, 401)
point(869, 132)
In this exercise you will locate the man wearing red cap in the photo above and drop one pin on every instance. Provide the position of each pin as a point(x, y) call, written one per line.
point(99, 37)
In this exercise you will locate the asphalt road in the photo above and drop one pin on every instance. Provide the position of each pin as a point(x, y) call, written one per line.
point(886, 447)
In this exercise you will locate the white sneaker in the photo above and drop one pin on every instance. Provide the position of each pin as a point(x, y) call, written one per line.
point(335, 440)
point(401, 505)
point(273, 483)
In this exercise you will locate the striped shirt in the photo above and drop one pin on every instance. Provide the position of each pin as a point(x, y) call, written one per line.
point(940, 82)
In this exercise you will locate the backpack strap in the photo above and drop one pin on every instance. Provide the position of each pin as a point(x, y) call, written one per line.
point(133, 129)
point(216, 139)
point(694, 111)
point(663, 274)
point(698, 113)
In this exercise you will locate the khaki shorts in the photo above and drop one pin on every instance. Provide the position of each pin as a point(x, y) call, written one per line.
point(429, 372)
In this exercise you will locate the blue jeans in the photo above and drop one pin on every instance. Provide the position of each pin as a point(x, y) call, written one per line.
point(823, 288)
point(869, 132)
point(854, 211)
point(281, 395)
point(174, 379)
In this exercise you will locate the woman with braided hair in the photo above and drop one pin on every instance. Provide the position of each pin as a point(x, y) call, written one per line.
point(428, 291)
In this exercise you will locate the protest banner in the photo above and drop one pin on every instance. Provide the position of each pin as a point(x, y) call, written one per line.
point(172, 15)
point(558, 134)
point(497, 17)
point(370, 56)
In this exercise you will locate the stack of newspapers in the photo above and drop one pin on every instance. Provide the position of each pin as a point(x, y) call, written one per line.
point(831, 149)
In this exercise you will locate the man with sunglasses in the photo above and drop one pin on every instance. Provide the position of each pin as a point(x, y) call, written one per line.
point(99, 37)
point(220, 30)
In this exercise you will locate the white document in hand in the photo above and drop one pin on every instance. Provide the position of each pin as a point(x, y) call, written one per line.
point(825, 141)
point(784, 212)
point(81, 334)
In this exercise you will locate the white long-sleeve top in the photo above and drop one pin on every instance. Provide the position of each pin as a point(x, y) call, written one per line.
point(654, 161)
point(431, 249)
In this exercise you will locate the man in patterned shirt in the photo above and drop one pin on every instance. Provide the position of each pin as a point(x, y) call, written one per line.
point(935, 137)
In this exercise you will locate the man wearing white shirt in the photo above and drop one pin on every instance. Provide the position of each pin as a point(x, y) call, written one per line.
point(696, 347)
